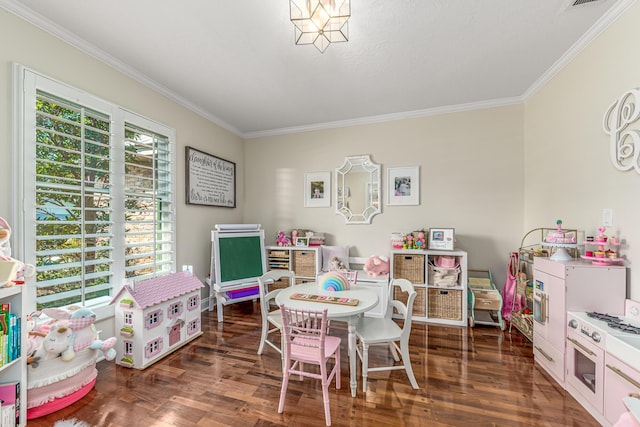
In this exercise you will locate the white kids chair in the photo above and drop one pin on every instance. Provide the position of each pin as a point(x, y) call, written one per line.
point(271, 317)
point(372, 330)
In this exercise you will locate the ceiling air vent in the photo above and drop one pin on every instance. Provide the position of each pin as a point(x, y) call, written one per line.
point(579, 2)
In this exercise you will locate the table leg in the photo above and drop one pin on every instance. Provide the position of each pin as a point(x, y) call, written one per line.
point(352, 356)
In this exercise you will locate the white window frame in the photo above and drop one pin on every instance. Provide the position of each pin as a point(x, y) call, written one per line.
point(26, 82)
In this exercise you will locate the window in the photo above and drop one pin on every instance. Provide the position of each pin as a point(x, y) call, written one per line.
point(128, 348)
point(128, 318)
point(98, 189)
point(193, 302)
point(153, 319)
point(174, 310)
point(193, 326)
point(152, 348)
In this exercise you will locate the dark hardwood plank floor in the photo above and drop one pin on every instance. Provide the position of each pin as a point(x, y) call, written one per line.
point(468, 376)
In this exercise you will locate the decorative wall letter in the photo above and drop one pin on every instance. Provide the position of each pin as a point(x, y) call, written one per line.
point(624, 143)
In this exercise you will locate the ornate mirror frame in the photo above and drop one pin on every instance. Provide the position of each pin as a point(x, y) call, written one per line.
point(358, 189)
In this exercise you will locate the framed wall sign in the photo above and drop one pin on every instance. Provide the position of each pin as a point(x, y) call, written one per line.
point(441, 238)
point(403, 186)
point(210, 180)
point(317, 190)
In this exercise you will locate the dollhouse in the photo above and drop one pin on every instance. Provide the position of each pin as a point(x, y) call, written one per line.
point(155, 317)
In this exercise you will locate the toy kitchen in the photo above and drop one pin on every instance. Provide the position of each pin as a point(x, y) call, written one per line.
point(587, 334)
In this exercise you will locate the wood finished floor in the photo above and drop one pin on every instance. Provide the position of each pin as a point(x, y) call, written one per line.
point(468, 376)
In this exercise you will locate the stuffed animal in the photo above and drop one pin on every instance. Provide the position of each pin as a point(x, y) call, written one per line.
point(282, 239)
point(336, 264)
point(377, 265)
point(24, 271)
point(53, 345)
point(84, 332)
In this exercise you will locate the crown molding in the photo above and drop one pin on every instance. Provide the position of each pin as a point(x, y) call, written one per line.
point(70, 38)
point(596, 29)
point(388, 117)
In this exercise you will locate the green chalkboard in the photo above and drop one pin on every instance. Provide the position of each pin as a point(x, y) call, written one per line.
point(239, 257)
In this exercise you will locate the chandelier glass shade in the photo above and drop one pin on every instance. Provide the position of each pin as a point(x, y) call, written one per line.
point(320, 22)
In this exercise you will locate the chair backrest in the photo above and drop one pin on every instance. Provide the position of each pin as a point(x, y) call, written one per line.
point(305, 328)
point(406, 311)
point(267, 280)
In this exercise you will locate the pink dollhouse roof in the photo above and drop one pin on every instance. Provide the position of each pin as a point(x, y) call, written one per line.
point(148, 293)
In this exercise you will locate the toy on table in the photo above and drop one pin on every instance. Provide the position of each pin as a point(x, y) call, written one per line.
point(333, 281)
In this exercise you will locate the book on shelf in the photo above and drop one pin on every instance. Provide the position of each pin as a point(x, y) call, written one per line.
point(10, 394)
point(10, 329)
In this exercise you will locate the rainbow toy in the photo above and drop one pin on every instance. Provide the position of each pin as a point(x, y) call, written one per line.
point(333, 282)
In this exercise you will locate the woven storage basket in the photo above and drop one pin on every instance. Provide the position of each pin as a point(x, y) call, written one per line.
point(279, 284)
point(419, 303)
point(445, 304)
point(443, 276)
point(304, 263)
point(410, 267)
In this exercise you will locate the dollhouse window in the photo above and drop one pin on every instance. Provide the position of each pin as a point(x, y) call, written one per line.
point(153, 319)
point(193, 326)
point(153, 347)
point(128, 348)
point(174, 310)
point(193, 302)
point(128, 318)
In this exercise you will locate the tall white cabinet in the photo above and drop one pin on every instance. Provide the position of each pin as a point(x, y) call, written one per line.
point(16, 371)
point(435, 303)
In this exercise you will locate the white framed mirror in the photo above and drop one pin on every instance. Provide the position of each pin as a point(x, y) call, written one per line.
point(358, 189)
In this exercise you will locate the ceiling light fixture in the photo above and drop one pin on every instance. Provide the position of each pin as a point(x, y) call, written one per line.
point(320, 22)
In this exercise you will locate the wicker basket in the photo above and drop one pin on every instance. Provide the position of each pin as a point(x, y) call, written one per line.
point(445, 304)
point(304, 263)
point(410, 267)
point(419, 303)
point(279, 284)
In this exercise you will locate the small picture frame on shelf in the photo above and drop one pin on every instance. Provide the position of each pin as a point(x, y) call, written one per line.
point(302, 241)
point(441, 239)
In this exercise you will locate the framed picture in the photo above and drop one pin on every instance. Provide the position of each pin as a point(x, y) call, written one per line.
point(403, 186)
point(441, 238)
point(210, 180)
point(302, 241)
point(317, 190)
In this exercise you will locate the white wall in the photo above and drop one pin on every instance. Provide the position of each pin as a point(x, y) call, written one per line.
point(33, 48)
point(568, 173)
point(470, 174)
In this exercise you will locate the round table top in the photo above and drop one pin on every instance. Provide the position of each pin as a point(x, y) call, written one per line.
point(367, 299)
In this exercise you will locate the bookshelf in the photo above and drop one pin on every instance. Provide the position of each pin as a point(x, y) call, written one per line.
point(15, 371)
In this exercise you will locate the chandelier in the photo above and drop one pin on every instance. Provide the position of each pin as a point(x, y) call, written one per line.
point(320, 22)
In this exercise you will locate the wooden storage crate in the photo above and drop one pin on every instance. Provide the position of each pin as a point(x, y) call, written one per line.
point(445, 304)
point(410, 267)
point(304, 263)
point(419, 303)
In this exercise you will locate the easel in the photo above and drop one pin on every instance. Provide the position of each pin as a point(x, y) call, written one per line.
point(224, 275)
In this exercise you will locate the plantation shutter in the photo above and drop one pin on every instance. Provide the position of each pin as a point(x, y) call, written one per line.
point(148, 203)
point(73, 202)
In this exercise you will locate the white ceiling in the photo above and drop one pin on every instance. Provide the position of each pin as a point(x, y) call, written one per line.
point(235, 62)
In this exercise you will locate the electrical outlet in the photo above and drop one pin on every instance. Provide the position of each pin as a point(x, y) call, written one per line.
point(607, 217)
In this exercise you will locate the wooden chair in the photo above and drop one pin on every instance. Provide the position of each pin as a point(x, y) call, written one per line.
point(271, 317)
point(306, 343)
point(371, 330)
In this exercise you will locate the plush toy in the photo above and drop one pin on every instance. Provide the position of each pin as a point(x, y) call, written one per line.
point(336, 264)
point(282, 239)
point(420, 242)
point(53, 344)
point(377, 265)
point(24, 270)
point(84, 332)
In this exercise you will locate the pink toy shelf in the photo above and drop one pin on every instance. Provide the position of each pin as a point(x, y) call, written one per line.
point(607, 252)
